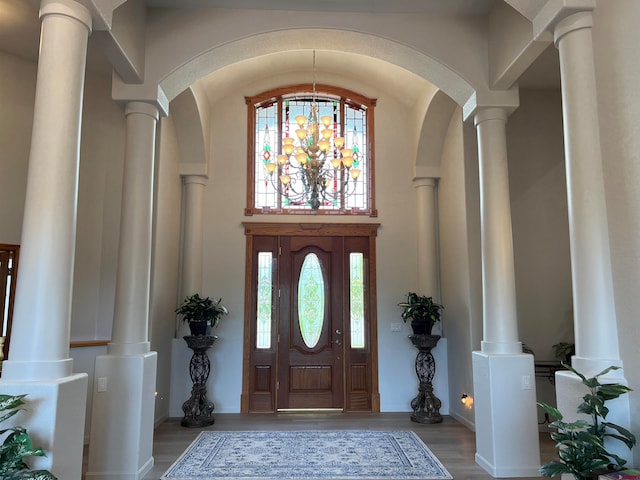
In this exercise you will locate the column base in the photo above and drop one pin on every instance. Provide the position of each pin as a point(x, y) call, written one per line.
point(122, 421)
point(54, 417)
point(507, 440)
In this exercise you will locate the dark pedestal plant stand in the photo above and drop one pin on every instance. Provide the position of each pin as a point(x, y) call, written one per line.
point(198, 410)
point(426, 406)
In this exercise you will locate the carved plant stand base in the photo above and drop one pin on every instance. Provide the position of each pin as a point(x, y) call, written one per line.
point(426, 406)
point(198, 410)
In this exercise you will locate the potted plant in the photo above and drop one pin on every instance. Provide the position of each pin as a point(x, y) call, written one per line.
point(201, 313)
point(564, 351)
point(17, 445)
point(422, 311)
point(580, 444)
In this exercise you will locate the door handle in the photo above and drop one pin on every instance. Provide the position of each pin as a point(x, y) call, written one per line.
point(338, 332)
point(337, 342)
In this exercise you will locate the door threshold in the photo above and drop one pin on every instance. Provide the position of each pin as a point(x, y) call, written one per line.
point(310, 410)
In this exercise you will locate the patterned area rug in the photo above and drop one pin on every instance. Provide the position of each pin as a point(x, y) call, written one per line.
point(308, 455)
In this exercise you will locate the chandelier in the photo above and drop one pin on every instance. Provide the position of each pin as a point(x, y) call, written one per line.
point(314, 167)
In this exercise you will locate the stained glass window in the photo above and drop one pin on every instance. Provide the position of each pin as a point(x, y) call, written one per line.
point(311, 300)
point(356, 299)
point(272, 117)
point(265, 301)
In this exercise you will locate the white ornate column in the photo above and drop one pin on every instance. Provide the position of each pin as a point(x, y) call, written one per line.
point(503, 377)
point(124, 391)
point(595, 324)
point(427, 243)
point(500, 327)
point(192, 243)
point(39, 363)
point(193, 234)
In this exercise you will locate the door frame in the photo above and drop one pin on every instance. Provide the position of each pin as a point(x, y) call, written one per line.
point(260, 229)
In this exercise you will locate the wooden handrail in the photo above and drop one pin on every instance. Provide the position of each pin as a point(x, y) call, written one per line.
point(90, 343)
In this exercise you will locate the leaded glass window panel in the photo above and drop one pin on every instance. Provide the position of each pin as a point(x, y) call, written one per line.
point(311, 300)
point(356, 299)
point(272, 119)
point(265, 300)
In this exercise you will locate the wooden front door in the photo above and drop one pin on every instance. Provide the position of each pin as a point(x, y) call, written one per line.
point(310, 342)
point(310, 329)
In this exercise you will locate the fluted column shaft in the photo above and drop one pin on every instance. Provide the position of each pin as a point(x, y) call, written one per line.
point(42, 316)
point(500, 326)
point(595, 326)
point(131, 316)
point(427, 243)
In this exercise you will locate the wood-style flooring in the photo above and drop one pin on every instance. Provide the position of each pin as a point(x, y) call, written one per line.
point(451, 442)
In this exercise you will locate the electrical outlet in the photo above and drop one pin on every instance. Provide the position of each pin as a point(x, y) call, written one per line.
point(396, 327)
point(102, 384)
point(526, 382)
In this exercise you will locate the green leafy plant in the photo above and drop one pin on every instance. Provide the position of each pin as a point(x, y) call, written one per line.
point(198, 309)
point(422, 310)
point(17, 445)
point(564, 351)
point(580, 444)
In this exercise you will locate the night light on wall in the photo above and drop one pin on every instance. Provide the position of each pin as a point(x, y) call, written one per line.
point(467, 401)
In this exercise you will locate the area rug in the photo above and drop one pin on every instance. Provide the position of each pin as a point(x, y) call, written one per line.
point(308, 455)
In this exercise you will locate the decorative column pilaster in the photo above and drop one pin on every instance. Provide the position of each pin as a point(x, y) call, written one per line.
point(193, 234)
point(503, 376)
point(43, 292)
point(39, 363)
point(131, 316)
point(595, 325)
point(427, 243)
point(500, 327)
point(124, 389)
point(595, 322)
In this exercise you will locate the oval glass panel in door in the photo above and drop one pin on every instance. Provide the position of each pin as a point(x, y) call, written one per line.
point(311, 300)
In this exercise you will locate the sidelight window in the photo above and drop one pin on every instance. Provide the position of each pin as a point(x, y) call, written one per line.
point(356, 299)
point(265, 300)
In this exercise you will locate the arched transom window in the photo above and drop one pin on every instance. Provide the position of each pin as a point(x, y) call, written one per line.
point(276, 182)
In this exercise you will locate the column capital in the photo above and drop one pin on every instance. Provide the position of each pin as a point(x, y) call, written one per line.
point(143, 108)
point(195, 169)
point(507, 100)
point(577, 21)
point(68, 8)
point(194, 179)
point(490, 113)
point(425, 182)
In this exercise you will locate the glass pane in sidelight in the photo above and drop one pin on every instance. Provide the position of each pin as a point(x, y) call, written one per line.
point(311, 300)
point(356, 299)
point(265, 300)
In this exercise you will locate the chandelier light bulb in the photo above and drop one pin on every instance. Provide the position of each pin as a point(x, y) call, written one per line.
point(347, 161)
point(326, 120)
point(271, 167)
point(338, 142)
point(335, 163)
point(301, 158)
point(301, 133)
point(301, 120)
point(283, 159)
point(355, 173)
point(285, 179)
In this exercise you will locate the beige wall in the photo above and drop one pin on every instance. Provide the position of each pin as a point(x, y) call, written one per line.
point(456, 271)
point(165, 260)
point(17, 93)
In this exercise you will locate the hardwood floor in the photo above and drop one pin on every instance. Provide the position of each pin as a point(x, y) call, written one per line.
point(451, 442)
